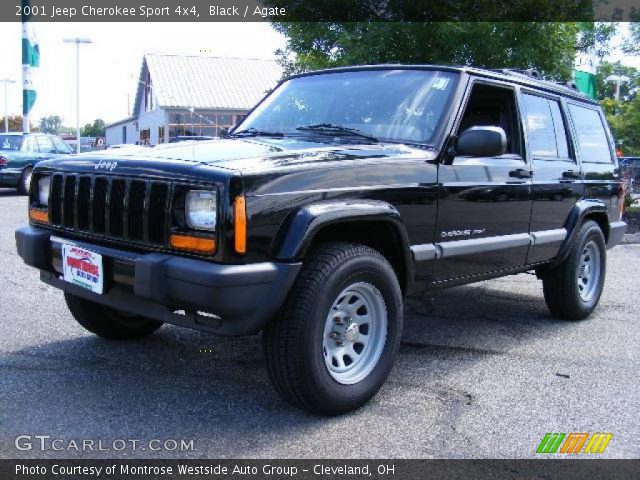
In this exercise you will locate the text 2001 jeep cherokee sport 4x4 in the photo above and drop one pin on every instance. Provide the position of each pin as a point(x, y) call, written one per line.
point(341, 191)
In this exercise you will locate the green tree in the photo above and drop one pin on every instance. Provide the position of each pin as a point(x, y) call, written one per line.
point(15, 124)
point(631, 43)
point(624, 120)
point(50, 124)
point(548, 47)
point(95, 129)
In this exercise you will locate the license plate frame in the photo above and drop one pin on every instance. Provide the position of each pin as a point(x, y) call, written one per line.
point(83, 268)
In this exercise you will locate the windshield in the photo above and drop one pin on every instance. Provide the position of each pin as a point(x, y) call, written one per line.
point(10, 142)
point(395, 105)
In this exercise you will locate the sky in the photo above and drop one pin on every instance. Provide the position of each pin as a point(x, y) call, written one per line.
point(109, 67)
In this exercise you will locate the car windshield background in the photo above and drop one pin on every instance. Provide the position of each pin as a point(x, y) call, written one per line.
point(60, 146)
point(10, 142)
point(395, 105)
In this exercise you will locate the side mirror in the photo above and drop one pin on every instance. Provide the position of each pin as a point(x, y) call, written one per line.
point(481, 142)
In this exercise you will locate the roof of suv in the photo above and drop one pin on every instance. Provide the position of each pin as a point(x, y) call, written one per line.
point(508, 75)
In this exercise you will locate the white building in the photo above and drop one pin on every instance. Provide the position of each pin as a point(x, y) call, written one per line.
point(192, 95)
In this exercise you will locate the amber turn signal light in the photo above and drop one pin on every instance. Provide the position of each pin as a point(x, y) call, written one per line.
point(39, 216)
point(240, 225)
point(193, 244)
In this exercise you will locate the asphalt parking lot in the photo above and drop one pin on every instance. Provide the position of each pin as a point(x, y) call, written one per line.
point(483, 371)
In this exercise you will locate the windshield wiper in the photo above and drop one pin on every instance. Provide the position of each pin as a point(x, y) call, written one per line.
point(336, 129)
point(254, 132)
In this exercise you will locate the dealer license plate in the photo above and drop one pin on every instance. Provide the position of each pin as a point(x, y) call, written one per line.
point(83, 268)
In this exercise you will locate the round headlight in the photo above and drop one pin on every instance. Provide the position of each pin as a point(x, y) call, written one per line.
point(44, 185)
point(200, 209)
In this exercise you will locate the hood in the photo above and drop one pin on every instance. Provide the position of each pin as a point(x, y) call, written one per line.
point(263, 153)
point(254, 155)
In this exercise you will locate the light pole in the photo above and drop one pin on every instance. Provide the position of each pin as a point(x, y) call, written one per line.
point(6, 108)
point(618, 80)
point(77, 41)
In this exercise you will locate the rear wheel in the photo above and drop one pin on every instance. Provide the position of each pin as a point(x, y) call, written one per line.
point(572, 290)
point(334, 342)
point(25, 181)
point(107, 322)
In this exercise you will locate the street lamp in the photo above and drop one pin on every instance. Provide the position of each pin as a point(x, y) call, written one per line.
point(77, 41)
point(6, 108)
point(618, 80)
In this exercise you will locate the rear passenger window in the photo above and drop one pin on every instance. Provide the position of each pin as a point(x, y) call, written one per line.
point(592, 138)
point(545, 127)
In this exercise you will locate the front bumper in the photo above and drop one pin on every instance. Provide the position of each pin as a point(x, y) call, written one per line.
point(222, 299)
point(616, 233)
point(10, 177)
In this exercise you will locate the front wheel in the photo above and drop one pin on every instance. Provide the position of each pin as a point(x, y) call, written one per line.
point(335, 340)
point(572, 289)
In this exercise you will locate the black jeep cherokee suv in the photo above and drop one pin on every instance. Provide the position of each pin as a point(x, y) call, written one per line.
point(339, 193)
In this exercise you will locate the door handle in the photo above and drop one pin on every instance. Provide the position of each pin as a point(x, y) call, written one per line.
point(521, 173)
point(571, 174)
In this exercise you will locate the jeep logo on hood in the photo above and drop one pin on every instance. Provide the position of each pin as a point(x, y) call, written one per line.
point(106, 165)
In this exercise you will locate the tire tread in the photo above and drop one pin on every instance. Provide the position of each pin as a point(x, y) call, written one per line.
point(283, 337)
point(559, 283)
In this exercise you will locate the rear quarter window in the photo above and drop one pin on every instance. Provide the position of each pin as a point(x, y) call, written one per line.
point(590, 135)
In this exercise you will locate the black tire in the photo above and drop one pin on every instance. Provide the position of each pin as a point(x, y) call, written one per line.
point(293, 341)
point(107, 322)
point(25, 181)
point(560, 285)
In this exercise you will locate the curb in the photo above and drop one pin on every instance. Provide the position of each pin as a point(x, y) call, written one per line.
point(631, 238)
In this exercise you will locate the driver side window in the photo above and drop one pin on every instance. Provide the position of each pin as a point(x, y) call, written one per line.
point(493, 106)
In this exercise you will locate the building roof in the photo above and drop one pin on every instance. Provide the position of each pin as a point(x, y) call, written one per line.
point(120, 122)
point(208, 82)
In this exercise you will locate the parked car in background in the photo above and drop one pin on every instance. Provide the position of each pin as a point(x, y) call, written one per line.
point(630, 162)
point(630, 168)
point(20, 152)
point(184, 138)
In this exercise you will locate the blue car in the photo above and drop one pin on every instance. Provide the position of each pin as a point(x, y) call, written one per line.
point(19, 152)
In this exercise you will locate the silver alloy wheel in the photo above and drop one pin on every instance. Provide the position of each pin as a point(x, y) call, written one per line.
point(355, 333)
point(589, 268)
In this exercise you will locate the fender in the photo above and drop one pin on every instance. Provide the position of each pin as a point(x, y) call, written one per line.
point(580, 210)
point(299, 229)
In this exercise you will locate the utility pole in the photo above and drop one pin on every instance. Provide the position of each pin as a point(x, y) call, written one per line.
point(618, 80)
point(77, 41)
point(6, 81)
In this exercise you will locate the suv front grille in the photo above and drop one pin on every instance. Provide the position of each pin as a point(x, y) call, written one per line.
point(114, 207)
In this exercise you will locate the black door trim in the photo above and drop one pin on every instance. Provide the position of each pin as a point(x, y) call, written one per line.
point(453, 248)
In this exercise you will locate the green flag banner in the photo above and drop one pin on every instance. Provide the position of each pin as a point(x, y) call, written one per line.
point(30, 61)
point(586, 83)
point(584, 74)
